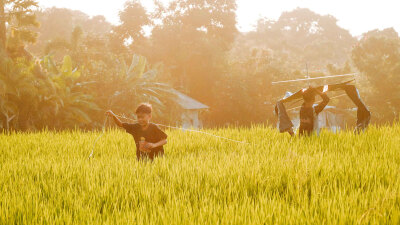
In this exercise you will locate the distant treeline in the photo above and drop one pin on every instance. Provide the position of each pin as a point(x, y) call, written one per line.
point(61, 69)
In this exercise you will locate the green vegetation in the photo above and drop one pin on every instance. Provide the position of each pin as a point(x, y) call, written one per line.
point(191, 46)
point(47, 178)
point(60, 70)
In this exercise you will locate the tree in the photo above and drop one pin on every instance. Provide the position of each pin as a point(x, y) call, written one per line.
point(134, 18)
point(17, 89)
point(124, 86)
point(83, 47)
point(97, 25)
point(16, 20)
point(68, 106)
point(303, 36)
point(377, 57)
point(58, 25)
point(71, 47)
point(191, 38)
point(35, 96)
point(245, 91)
point(3, 37)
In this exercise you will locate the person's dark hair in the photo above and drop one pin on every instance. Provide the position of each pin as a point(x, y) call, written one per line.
point(309, 95)
point(144, 108)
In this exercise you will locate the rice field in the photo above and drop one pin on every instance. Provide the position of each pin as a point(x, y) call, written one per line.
point(47, 178)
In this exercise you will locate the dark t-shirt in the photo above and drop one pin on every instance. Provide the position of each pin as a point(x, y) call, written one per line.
point(152, 134)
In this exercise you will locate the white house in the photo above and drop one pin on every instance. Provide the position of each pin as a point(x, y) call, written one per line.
point(191, 110)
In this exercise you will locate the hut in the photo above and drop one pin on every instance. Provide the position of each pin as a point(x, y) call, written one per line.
point(190, 115)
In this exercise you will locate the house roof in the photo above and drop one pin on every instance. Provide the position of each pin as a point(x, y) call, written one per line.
point(187, 102)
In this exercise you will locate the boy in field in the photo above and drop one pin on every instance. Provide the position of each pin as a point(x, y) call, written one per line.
point(149, 138)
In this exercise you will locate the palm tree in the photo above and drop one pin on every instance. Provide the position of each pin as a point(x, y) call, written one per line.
point(16, 20)
point(138, 83)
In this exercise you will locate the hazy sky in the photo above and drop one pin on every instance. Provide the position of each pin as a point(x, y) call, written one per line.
point(358, 16)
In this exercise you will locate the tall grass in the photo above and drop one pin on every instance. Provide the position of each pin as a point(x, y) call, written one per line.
point(47, 178)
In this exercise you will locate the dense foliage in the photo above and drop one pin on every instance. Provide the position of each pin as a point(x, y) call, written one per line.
point(194, 47)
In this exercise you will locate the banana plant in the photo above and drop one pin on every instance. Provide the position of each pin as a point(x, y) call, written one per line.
point(138, 83)
point(70, 105)
point(17, 91)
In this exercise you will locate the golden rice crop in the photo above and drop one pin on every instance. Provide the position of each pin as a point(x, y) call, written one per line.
point(47, 178)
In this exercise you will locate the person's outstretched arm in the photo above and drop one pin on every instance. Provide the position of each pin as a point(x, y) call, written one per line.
point(116, 120)
point(325, 101)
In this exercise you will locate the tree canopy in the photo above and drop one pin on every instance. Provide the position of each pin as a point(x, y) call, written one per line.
point(61, 68)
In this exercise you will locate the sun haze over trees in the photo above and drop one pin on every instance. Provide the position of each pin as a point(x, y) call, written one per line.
point(377, 57)
point(60, 68)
